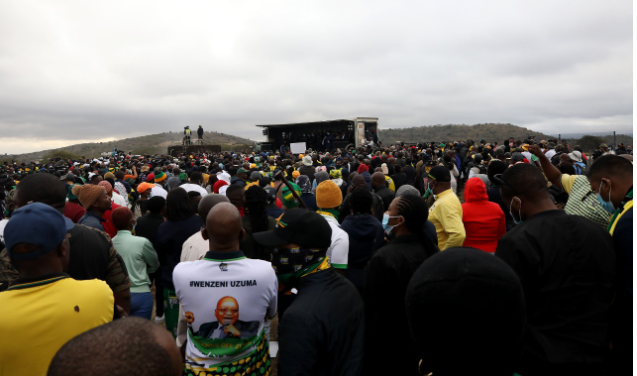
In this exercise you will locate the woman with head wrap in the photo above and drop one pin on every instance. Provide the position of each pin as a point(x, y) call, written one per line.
point(306, 192)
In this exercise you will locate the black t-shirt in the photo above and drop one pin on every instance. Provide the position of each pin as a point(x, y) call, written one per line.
point(322, 331)
point(387, 275)
point(147, 226)
point(399, 179)
point(89, 254)
point(622, 311)
point(411, 174)
point(566, 265)
point(495, 196)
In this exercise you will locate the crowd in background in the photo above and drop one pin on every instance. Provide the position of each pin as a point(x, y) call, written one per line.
point(443, 257)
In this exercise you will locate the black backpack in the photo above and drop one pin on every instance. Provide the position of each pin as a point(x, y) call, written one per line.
point(555, 160)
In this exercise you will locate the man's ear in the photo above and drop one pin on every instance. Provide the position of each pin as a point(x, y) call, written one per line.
point(64, 248)
point(242, 235)
point(204, 234)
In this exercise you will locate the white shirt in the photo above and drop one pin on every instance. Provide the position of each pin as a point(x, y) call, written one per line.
point(528, 156)
point(338, 252)
point(158, 191)
point(3, 224)
point(119, 200)
point(454, 182)
point(200, 285)
point(194, 248)
point(549, 154)
point(189, 187)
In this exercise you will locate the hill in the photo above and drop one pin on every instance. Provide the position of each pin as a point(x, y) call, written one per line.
point(150, 144)
point(490, 132)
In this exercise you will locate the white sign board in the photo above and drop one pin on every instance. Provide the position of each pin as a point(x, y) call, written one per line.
point(298, 147)
point(361, 133)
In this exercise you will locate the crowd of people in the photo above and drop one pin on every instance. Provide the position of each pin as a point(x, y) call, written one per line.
point(436, 257)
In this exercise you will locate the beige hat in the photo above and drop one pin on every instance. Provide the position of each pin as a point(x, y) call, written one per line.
point(576, 156)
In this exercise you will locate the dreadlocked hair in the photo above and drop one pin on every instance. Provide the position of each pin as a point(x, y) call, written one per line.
point(415, 212)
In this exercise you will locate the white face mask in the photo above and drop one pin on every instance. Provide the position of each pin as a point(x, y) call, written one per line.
point(517, 222)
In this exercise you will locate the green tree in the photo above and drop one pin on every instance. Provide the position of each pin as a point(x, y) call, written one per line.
point(590, 143)
point(62, 154)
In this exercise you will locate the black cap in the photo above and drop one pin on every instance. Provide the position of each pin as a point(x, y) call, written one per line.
point(440, 173)
point(298, 226)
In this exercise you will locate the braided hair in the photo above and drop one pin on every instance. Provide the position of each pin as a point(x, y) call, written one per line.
point(415, 212)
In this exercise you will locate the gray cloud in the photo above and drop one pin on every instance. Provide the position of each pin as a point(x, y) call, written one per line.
point(86, 70)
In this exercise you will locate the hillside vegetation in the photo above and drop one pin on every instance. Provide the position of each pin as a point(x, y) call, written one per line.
point(490, 132)
point(158, 143)
point(150, 144)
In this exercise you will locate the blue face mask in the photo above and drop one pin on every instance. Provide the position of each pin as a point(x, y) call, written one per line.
point(607, 205)
point(516, 221)
point(386, 226)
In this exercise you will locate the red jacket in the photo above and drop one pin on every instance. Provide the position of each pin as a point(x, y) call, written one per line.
point(483, 220)
point(73, 211)
point(109, 227)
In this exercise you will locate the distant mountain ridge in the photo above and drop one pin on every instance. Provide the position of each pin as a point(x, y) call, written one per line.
point(149, 144)
point(454, 132)
point(158, 143)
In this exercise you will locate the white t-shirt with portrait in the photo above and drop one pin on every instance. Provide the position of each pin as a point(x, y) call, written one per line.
point(225, 298)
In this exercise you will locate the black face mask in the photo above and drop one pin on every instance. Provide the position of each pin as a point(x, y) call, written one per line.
point(292, 260)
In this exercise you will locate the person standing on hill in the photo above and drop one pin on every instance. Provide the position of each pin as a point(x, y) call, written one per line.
point(187, 135)
point(200, 134)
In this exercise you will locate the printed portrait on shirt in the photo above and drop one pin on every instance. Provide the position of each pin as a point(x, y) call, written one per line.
point(228, 324)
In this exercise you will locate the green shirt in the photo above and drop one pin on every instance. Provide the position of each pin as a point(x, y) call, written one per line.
point(140, 259)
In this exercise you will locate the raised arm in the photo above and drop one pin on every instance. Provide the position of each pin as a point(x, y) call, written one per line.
point(551, 172)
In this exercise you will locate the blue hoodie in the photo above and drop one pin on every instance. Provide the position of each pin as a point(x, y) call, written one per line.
point(365, 237)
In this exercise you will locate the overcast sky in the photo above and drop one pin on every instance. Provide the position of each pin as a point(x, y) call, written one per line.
point(77, 71)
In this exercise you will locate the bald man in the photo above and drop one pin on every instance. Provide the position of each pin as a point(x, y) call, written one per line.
point(380, 188)
point(212, 289)
point(133, 346)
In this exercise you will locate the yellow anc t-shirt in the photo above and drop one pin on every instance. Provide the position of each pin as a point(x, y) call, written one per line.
point(446, 215)
point(38, 317)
